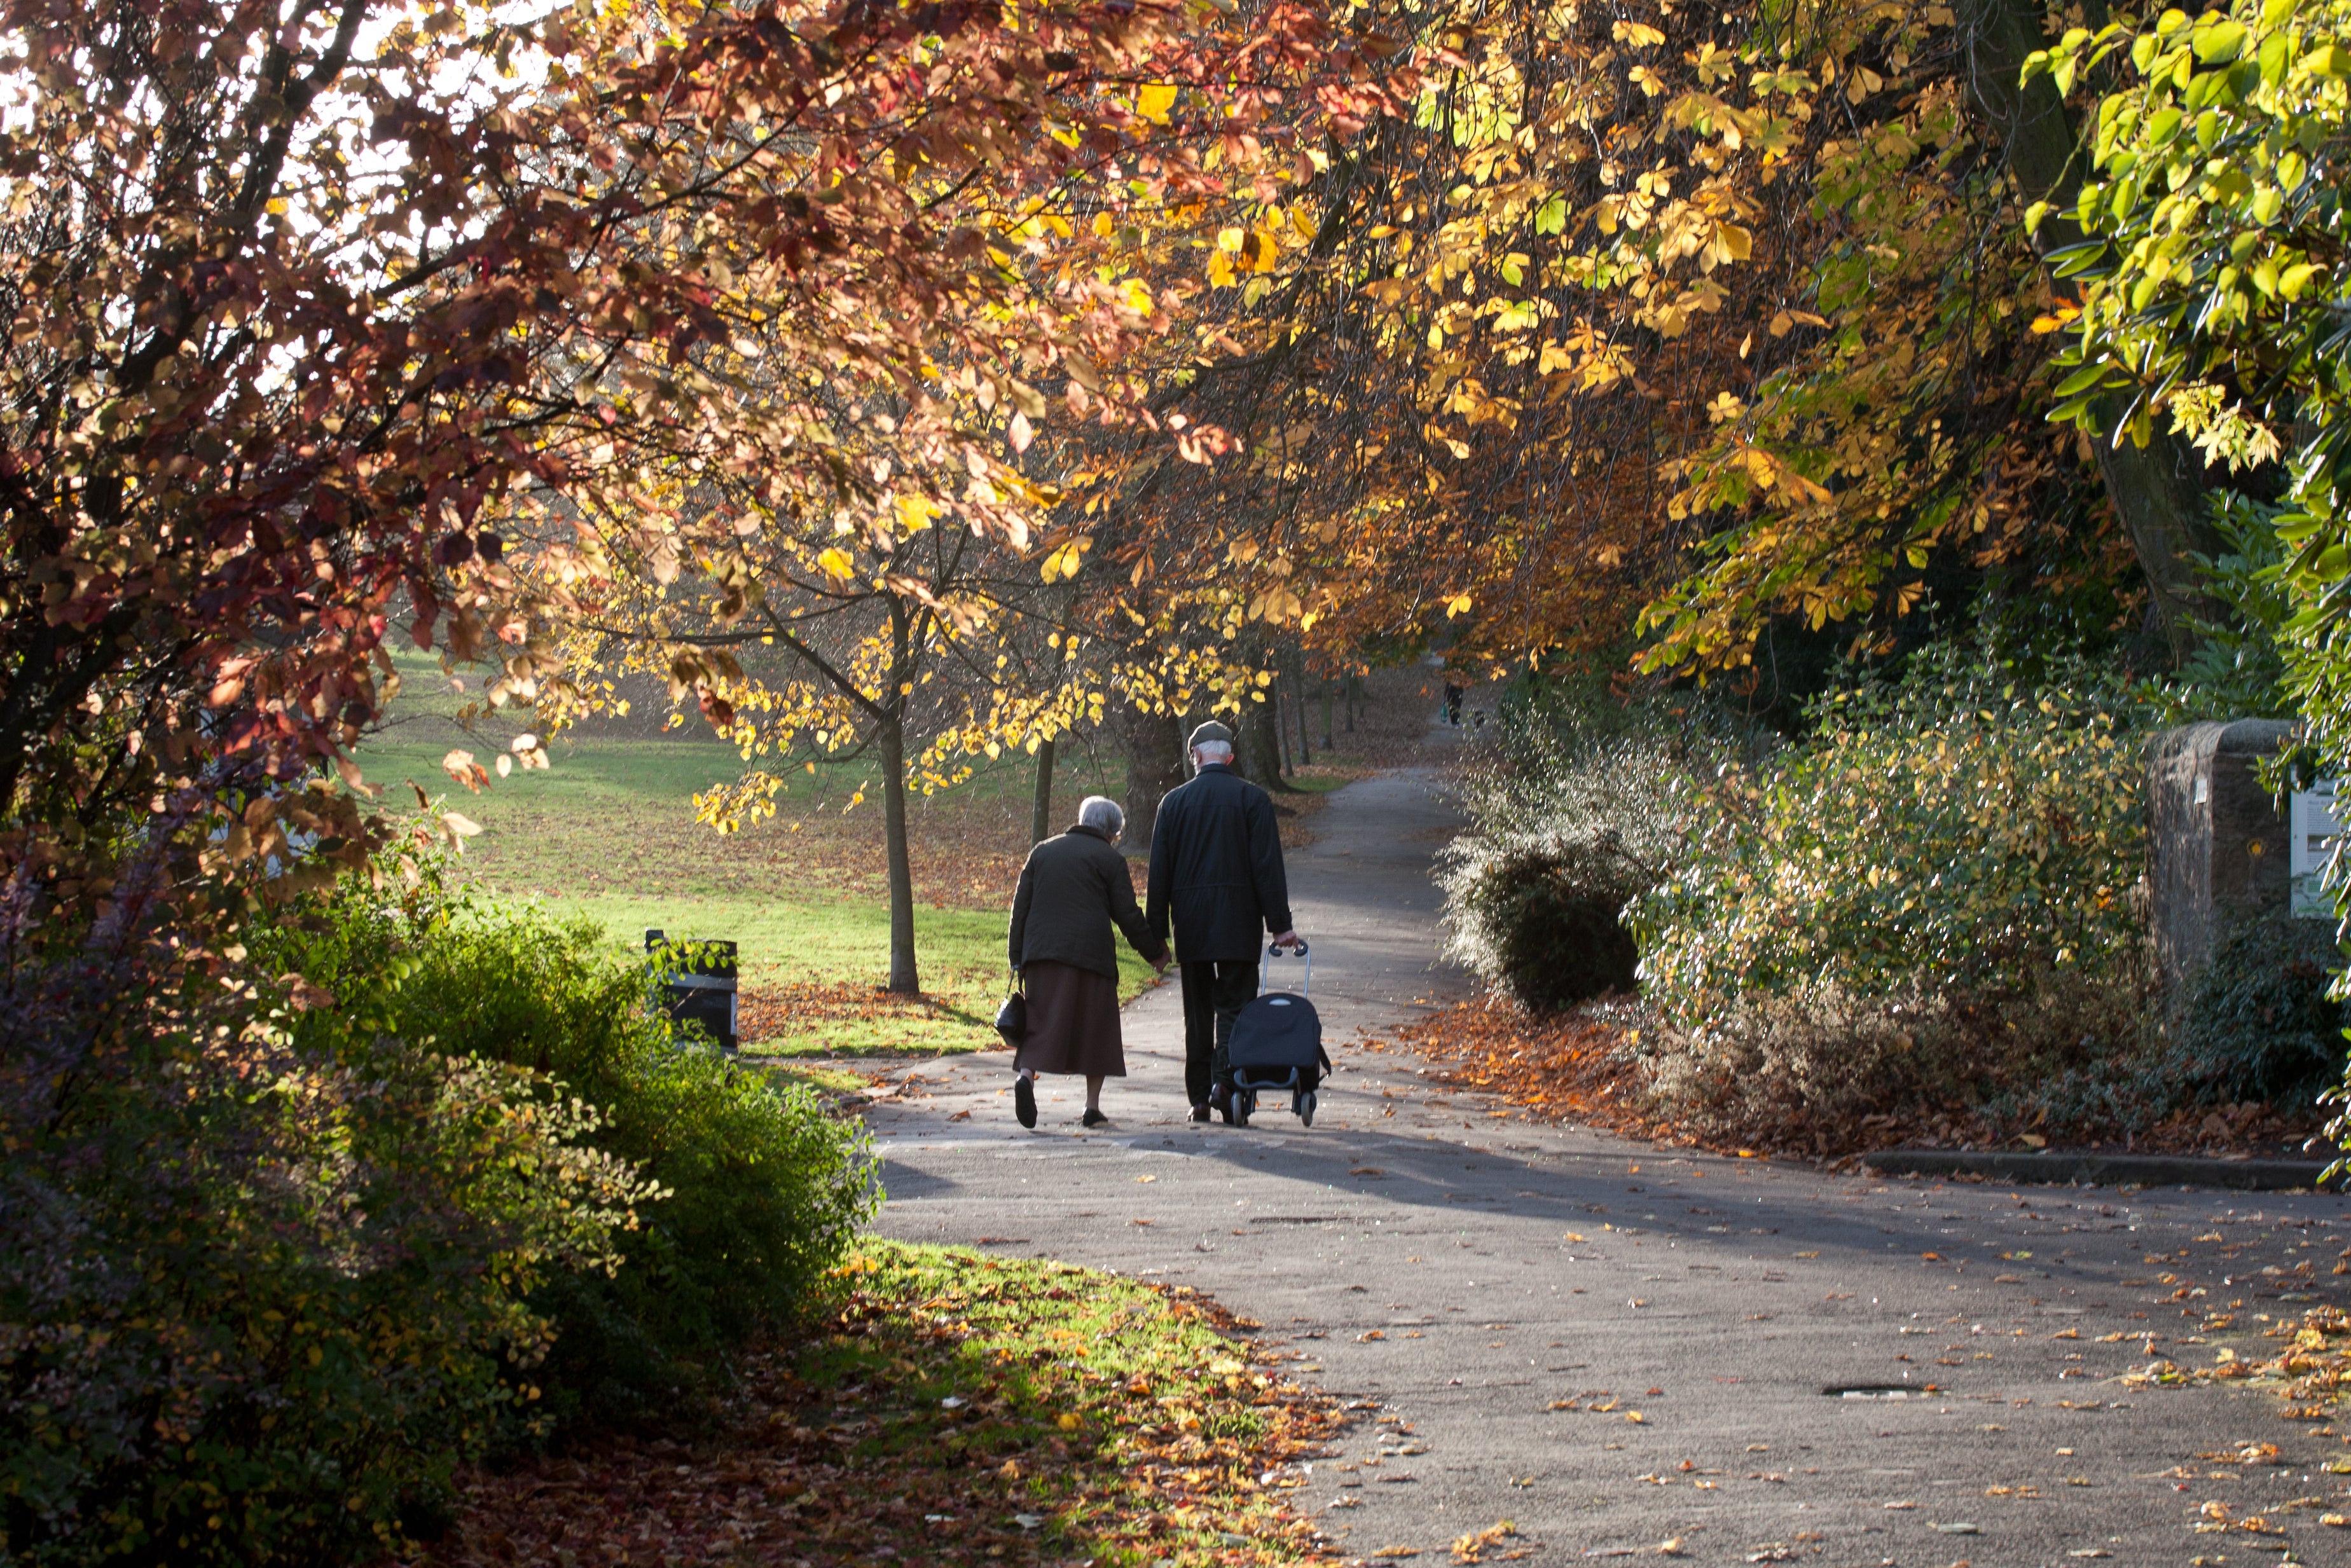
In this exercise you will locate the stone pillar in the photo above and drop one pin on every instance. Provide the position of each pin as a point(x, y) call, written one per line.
point(2217, 845)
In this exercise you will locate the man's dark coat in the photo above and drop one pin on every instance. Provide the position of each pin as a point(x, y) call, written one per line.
point(1216, 868)
point(1072, 889)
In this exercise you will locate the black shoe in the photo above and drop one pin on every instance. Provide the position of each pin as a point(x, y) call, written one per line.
point(1024, 1100)
point(1199, 1113)
point(1095, 1119)
point(1220, 1099)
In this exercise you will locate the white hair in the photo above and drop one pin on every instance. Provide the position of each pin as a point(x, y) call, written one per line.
point(1213, 751)
point(1100, 814)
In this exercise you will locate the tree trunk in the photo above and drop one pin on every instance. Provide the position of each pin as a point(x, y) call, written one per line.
point(1154, 743)
point(1258, 751)
point(2159, 490)
point(1297, 693)
point(1327, 738)
point(1353, 695)
point(1040, 815)
point(904, 980)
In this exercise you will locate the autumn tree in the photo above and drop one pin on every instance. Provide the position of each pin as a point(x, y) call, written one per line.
point(1724, 313)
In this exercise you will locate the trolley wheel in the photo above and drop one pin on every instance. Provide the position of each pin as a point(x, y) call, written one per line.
point(1306, 1109)
point(1244, 1104)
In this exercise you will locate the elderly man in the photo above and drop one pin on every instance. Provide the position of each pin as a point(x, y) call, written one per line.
point(1216, 873)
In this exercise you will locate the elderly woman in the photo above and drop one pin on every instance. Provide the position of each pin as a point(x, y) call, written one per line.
point(1071, 890)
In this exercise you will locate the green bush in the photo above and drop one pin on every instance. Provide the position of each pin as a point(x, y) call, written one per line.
point(1946, 835)
point(265, 1274)
point(2260, 1021)
point(1934, 901)
point(762, 1188)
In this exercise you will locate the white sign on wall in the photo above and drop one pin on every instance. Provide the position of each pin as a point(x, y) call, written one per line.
point(2315, 830)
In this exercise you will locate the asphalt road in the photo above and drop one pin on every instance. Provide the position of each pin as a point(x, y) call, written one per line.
point(1615, 1346)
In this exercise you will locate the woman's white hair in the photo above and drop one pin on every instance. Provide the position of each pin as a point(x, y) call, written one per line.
point(1102, 813)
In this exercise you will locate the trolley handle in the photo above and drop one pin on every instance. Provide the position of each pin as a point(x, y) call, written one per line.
point(1273, 950)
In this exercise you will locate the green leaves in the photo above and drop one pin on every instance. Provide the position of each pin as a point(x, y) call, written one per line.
point(1945, 834)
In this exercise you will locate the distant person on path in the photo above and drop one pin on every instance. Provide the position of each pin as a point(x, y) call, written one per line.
point(1072, 889)
point(1215, 872)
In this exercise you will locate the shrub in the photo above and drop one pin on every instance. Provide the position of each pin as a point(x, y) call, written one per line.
point(1576, 816)
point(1934, 900)
point(2260, 1021)
point(762, 1189)
point(1562, 838)
point(1947, 835)
point(259, 1289)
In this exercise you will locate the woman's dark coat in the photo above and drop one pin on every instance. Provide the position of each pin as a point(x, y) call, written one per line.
point(1072, 889)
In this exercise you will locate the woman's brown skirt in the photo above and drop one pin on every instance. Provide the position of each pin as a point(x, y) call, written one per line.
point(1072, 1022)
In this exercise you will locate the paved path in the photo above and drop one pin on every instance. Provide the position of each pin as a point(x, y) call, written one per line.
point(1617, 1347)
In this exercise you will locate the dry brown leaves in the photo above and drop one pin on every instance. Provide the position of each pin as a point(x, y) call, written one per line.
point(1581, 1066)
point(764, 1011)
point(948, 1408)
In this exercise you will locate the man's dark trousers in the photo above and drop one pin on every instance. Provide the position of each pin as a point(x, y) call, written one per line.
point(1215, 991)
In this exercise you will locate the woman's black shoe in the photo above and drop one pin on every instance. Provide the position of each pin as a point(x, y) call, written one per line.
point(1199, 1113)
point(1024, 1100)
point(1095, 1119)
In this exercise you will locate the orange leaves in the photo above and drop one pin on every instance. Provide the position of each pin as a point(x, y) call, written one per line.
point(459, 765)
point(2061, 314)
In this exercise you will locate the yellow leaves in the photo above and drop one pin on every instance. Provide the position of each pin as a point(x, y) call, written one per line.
point(1063, 563)
point(1240, 250)
point(1647, 80)
point(1729, 243)
point(1457, 605)
point(1768, 473)
point(1639, 35)
point(1155, 100)
point(837, 564)
point(914, 513)
point(1726, 407)
point(1786, 322)
point(1278, 603)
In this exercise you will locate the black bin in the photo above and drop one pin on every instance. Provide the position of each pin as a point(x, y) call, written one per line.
point(699, 985)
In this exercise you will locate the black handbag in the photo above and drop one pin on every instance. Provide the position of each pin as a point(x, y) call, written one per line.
point(1012, 1018)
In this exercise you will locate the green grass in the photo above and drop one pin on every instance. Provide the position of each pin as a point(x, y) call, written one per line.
point(609, 832)
point(948, 1407)
point(829, 958)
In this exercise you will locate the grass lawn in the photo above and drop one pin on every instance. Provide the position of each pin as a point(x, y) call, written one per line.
point(950, 1408)
point(609, 832)
point(813, 967)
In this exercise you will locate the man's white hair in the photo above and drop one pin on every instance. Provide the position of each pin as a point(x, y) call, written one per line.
point(1100, 814)
point(1214, 750)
